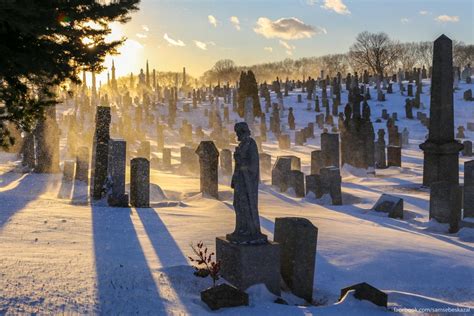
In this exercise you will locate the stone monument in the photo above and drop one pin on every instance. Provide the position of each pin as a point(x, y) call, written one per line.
point(246, 256)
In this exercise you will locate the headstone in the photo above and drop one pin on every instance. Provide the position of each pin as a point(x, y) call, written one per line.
point(467, 151)
point(116, 173)
point(100, 152)
point(296, 182)
point(166, 161)
point(389, 204)
point(298, 239)
point(208, 161)
point(68, 170)
point(284, 141)
point(365, 291)
point(468, 194)
point(82, 165)
point(265, 163)
point(316, 161)
point(445, 203)
point(330, 149)
point(226, 162)
point(280, 173)
point(140, 182)
point(394, 156)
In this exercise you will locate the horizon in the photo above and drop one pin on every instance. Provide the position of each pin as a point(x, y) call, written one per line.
point(262, 32)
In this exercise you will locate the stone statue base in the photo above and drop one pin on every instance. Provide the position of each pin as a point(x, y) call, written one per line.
point(247, 265)
point(244, 240)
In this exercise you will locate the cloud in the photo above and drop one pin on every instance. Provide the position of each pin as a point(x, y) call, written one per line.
point(286, 28)
point(141, 35)
point(173, 42)
point(404, 20)
point(423, 12)
point(200, 45)
point(336, 6)
point(268, 49)
point(311, 2)
point(447, 18)
point(145, 28)
point(212, 20)
point(289, 48)
point(235, 21)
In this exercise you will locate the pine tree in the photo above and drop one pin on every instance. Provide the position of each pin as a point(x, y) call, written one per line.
point(248, 88)
point(44, 44)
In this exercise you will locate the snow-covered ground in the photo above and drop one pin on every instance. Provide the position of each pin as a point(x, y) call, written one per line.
point(63, 257)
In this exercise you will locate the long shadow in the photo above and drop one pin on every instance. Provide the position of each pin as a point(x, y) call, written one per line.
point(125, 284)
point(166, 248)
point(400, 225)
point(29, 188)
point(8, 177)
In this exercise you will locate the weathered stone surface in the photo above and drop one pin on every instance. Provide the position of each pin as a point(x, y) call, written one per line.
point(82, 165)
point(166, 161)
point(365, 291)
point(331, 179)
point(224, 295)
point(116, 173)
point(208, 161)
point(100, 152)
point(394, 156)
point(246, 265)
point(445, 203)
point(468, 189)
point(389, 204)
point(296, 182)
point(265, 163)
point(298, 239)
point(226, 162)
point(284, 141)
point(467, 150)
point(140, 182)
point(316, 161)
point(68, 170)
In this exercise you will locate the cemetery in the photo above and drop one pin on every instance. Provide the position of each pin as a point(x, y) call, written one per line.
point(339, 191)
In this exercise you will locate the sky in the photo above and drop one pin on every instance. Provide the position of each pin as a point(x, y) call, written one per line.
point(172, 34)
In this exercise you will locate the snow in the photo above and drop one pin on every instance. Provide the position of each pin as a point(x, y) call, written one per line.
point(60, 254)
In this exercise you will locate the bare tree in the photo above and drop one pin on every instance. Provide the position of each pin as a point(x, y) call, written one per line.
point(424, 53)
point(375, 51)
point(407, 57)
point(225, 70)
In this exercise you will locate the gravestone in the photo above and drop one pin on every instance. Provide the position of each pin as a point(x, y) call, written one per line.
point(100, 152)
point(284, 141)
point(68, 170)
point(116, 173)
point(265, 163)
point(441, 150)
point(226, 162)
point(460, 134)
point(298, 240)
point(296, 182)
point(208, 162)
point(468, 194)
point(330, 149)
point(316, 161)
point(140, 182)
point(280, 173)
point(445, 203)
point(394, 156)
point(82, 165)
point(467, 150)
point(365, 291)
point(166, 161)
point(389, 204)
point(405, 137)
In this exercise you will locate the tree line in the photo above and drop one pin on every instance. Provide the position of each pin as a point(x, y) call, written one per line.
point(375, 52)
